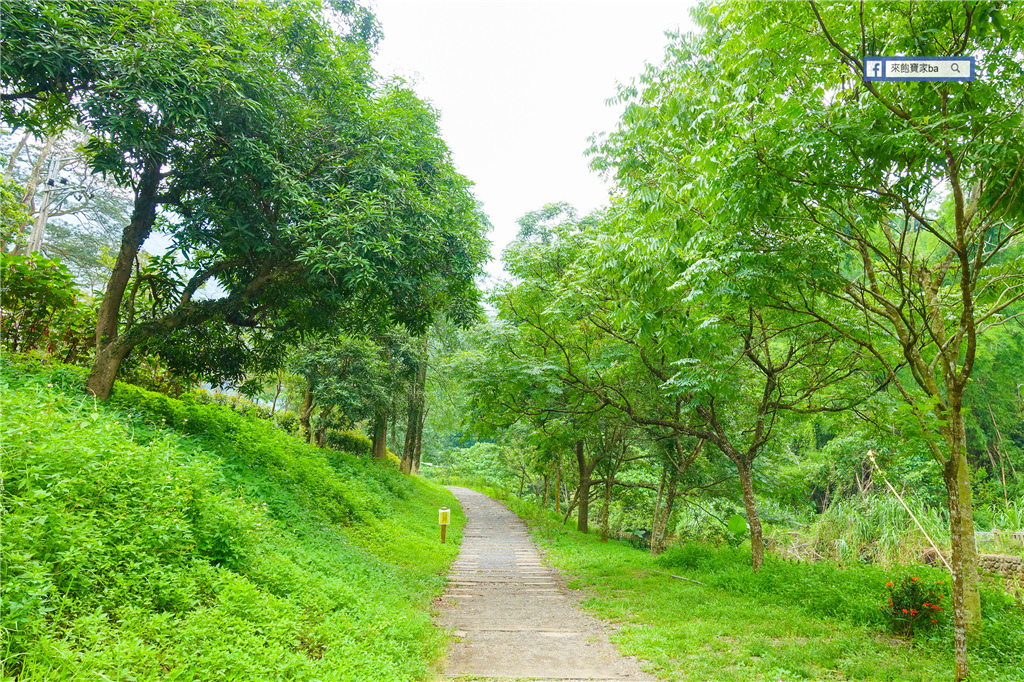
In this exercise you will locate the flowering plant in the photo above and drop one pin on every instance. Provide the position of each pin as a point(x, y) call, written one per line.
point(914, 605)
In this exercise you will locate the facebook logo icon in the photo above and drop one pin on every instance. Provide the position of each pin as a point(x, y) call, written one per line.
point(874, 68)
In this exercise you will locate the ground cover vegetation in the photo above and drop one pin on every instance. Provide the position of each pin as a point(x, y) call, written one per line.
point(788, 621)
point(149, 537)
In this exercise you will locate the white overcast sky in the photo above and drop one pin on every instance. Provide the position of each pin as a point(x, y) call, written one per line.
point(521, 85)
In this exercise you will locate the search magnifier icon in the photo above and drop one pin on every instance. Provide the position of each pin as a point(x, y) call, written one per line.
point(955, 66)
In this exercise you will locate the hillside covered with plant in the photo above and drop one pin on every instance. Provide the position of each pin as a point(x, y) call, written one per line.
point(149, 537)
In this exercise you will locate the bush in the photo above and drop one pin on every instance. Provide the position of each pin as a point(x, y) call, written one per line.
point(351, 442)
point(42, 309)
point(913, 605)
point(288, 422)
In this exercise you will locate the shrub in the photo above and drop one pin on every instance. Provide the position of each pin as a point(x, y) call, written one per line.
point(913, 605)
point(288, 422)
point(42, 309)
point(351, 442)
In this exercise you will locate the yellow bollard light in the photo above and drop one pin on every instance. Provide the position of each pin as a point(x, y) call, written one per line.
point(444, 517)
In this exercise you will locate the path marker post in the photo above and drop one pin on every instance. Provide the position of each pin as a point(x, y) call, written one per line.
point(444, 517)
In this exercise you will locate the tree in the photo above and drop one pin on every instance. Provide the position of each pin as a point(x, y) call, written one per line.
point(344, 375)
point(307, 197)
point(619, 321)
point(825, 190)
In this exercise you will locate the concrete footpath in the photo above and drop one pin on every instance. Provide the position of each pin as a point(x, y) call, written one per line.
point(510, 614)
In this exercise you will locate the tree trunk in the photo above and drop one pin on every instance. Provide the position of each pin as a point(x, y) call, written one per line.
point(320, 434)
point(305, 412)
point(108, 356)
point(393, 435)
point(605, 503)
point(105, 367)
point(660, 530)
point(657, 502)
point(558, 485)
point(414, 427)
point(966, 598)
point(419, 442)
point(583, 496)
point(753, 522)
point(380, 433)
point(412, 421)
point(546, 492)
point(277, 393)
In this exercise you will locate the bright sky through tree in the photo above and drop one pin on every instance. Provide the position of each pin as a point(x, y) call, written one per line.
point(521, 85)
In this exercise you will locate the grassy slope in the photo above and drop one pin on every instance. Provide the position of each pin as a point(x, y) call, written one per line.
point(789, 622)
point(149, 538)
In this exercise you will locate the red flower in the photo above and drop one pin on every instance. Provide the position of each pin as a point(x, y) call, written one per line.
point(904, 610)
point(913, 612)
point(888, 584)
point(934, 621)
point(915, 578)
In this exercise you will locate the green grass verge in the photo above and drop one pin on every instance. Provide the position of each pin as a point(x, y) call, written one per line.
point(790, 621)
point(149, 538)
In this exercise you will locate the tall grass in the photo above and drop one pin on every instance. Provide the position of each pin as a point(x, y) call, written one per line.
point(872, 529)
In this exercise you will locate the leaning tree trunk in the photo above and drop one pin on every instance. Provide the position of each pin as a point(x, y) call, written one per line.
point(753, 522)
point(966, 599)
point(583, 495)
point(109, 353)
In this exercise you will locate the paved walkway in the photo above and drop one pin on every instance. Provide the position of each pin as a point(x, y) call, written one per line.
point(510, 614)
